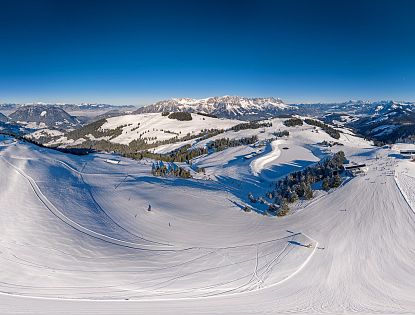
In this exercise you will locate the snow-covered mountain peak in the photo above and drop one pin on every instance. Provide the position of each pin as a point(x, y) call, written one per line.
point(221, 106)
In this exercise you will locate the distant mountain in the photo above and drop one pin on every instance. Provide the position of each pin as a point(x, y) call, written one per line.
point(70, 107)
point(3, 118)
point(387, 121)
point(8, 106)
point(44, 116)
point(94, 107)
point(224, 107)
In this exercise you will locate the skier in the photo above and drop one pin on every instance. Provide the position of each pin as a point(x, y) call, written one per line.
point(149, 208)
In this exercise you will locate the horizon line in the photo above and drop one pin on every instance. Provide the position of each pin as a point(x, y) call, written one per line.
point(310, 102)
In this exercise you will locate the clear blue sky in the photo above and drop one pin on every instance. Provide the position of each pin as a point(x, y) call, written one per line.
point(136, 52)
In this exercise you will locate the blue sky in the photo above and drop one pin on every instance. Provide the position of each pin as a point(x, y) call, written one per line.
point(137, 52)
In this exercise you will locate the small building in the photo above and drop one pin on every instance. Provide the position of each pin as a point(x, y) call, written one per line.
point(409, 154)
point(356, 169)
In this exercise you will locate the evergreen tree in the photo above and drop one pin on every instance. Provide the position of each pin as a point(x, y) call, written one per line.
point(308, 192)
point(325, 185)
point(293, 197)
point(337, 180)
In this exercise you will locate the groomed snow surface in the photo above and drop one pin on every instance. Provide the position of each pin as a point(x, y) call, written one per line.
point(77, 236)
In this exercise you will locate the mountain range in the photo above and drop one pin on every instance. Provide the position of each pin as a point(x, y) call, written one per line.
point(386, 121)
point(223, 107)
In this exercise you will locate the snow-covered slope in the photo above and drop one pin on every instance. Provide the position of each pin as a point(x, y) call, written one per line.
point(76, 235)
point(151, 127)
point(225, 106)
point(162, 127)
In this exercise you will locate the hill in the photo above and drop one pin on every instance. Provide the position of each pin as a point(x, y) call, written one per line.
point(44, 116)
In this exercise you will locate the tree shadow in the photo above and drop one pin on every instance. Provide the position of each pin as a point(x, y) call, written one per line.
point(279, 170)
point(298, 244)
point(397, 156)
point(176, 182)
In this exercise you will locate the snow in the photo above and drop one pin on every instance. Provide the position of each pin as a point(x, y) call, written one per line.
point(76, 235)
point(231, 104)
point(45, 132)
point(43, 113)
point(405, 180)
point(258, 165)
point(162, 127)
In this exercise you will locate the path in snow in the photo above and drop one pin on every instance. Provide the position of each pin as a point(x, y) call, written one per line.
point(261, 162)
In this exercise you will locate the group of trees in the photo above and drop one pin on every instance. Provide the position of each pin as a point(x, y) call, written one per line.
point(135, 128)
point(186, 153)
point(334, 133)
point(297, 185)
point(330, 143)
point(251, 125)
point(140, 144)
point(281, 133)
point(293, 122)
point(90, 129)
point(169, 169)
point(182, 116)
point(224, 143)
point(95, 129)
point(139, 148)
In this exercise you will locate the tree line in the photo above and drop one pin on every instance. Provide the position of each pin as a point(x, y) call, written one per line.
point(334, 133)
point(224, 143)
point(292, 122)
point(251, 125)
point(182, 116)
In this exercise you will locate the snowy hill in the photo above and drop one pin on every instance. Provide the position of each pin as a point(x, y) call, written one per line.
point(149, 128)
point(226, 106)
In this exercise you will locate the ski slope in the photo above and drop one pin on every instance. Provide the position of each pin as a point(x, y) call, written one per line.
point(76, 237)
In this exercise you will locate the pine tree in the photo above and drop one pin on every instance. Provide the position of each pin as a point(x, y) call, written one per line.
point(308, 192)
point(337, 180)
point(293, 197)
point(325, 185)
point(283, 210)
